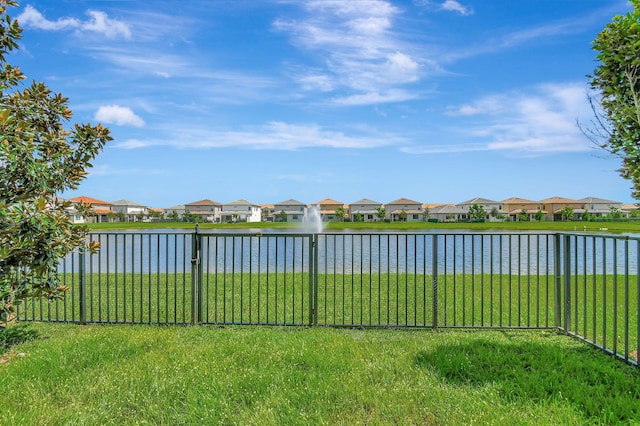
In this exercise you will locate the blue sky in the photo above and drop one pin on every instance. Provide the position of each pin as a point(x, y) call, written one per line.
point(267, 100)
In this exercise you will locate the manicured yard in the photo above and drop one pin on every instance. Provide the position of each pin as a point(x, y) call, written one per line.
point(116, 374)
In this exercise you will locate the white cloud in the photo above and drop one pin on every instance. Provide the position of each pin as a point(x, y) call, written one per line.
point(455, 6)
point(30, 17)
point(447, 5)
point(318, 82)
point(275, 135)
point(356, 42)
point(540, 121)
point(102, 24)
point(99, 23)
point(116, 114)
point(487, 105)
point(375, 98)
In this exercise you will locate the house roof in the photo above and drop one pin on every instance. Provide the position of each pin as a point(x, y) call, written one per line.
point(241, 202)
point(595, 200)
point(557, 200)
point(291, 202)
point(328, 201)
point(630, 206)
point(366, 201)
point(479, 201)
point(516, 200)
point(447, 208)
point(88, 200)
point(126, 203)
point(403, 201)
point(205, 202)
point(178, 207)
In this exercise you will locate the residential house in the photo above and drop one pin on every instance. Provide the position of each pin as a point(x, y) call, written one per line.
point(241, 211)
point(101, 210)
point(205, 210)
point(448, 213)
point(600, 207)
point(554, 207)
point(174, 212)
point(267, 212)
point(428, 208)
point(289, 211)
point(405, 210)
point(518, 208)
point(328, 209)
point(156, 214)
point(492, 208)
point(365, 209)
point(130, 211)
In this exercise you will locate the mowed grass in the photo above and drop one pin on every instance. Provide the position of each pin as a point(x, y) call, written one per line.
point(603, 308)
point(171, 375)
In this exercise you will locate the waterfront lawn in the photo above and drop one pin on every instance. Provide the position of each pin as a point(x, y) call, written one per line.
point(110, 374)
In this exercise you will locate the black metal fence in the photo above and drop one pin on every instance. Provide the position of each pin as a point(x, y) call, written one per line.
point(585, 285)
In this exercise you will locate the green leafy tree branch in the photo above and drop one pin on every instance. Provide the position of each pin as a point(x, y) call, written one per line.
point(39, 158)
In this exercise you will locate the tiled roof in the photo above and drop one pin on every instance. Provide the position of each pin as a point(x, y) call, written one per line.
point(447, 208)
point(478, 201)
point(366, 201)
point(598, 200)
point(558, 200)
point(241, 203)
point(126, 203)
point(205, 202)
point(88, 200)
point(290, 202)
point(328, 201)
point(516, 200)
point(403, 201)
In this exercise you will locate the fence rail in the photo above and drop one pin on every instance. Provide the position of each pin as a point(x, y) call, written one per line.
point(585, 285)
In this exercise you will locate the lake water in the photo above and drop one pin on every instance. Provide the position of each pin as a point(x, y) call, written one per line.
point(265, 251)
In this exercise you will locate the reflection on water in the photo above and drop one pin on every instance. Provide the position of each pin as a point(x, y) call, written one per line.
point(265, 251)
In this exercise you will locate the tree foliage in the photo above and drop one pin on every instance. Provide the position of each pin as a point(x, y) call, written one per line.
point(341, 213)
point(38, 159)
point(616, 80)
point(567, 213)
point(477, 212)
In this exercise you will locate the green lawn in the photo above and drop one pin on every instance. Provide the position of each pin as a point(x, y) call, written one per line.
point(598, 304)
point(125, 375)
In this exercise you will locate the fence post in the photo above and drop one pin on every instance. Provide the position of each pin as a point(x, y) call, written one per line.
point(567, 283)
point(196, 311)
point(313, 280)
point(83, 286)
point(434, 279)
point(557, 269)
